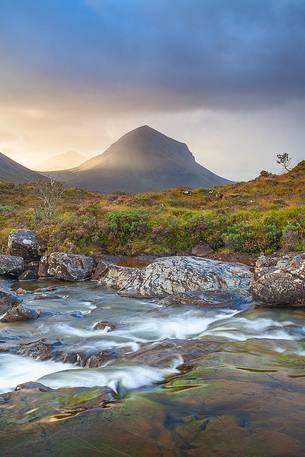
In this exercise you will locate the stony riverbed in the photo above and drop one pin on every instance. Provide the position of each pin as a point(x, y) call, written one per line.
point(169, 380)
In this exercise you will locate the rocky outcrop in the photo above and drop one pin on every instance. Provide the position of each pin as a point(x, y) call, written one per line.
point(280, 280)
point(25, 244)
point(174, 275)
point(19, 313)
point(68, 267)
point(11, 265)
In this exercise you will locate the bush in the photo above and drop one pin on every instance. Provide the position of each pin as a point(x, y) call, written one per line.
point(127, 225)
point(253, 237)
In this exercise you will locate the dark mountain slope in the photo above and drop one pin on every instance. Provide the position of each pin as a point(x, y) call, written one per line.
point(142, 160)
point(11, 171)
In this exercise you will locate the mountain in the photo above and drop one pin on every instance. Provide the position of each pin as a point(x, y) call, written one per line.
point(11, 171)
point(143, 160)
point(63, 161)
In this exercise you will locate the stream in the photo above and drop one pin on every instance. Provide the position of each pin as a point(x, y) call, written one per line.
point(70, 312)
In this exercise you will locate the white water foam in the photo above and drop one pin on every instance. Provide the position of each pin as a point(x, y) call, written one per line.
point(20, 369)
point(118, 378)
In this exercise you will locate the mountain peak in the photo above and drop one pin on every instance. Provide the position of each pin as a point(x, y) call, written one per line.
point(143, 159)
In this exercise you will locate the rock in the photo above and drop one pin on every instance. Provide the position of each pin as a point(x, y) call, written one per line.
point(280, 280)
point(69, 267)
point(46, 296)
point(44, 350)
point(8, 299)
point(11, 265)
point(25, 244)
point(99, 270)
point(33, 385)
point(43, 267)
point(31, 272)
point(164, 353)
point(232, 299)
point(19, 313)
point(104, 325)
point(32, 402)
point(172, 275)
point(28, 275)
point(20, 291)
point(202, 250)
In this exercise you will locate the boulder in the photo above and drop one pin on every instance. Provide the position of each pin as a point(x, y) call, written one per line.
point(280, 281)
point(30, 272)
point(174, 275)
point(25, 244)
point(68, 267)
point(43, 267)
point(11, 265)
point(19, 313)
point(7, 300)
point(100, 269)
point(202, 250)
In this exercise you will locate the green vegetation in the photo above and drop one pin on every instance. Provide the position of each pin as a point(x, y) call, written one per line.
point(263, 215)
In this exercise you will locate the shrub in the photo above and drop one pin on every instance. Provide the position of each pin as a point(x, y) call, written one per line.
point(126, 225)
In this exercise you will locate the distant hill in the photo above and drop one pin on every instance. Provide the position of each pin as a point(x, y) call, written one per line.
point(142, 160)
point(63, 161)
point(11, 171)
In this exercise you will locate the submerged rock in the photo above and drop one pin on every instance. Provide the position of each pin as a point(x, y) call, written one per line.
point(19, 313)
point(167, 352)
point(104, 325)
point(33, 401)
point(280, 280)
point(25, 244)
point(174, 275)
point(69, 267)
point(11, 265)
point(44, 350)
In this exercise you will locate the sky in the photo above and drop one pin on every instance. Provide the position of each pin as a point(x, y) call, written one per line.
point(226, 77)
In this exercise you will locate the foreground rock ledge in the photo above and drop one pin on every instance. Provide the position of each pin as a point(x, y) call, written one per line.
point(174, 275)
point(280, 281)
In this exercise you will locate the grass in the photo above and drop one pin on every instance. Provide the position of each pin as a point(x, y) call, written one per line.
point(260, 216)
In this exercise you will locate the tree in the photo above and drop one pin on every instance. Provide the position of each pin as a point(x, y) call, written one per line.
point(284, 160)
point(49, 193)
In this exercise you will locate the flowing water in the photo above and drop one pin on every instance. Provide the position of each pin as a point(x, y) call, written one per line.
point(69, 317)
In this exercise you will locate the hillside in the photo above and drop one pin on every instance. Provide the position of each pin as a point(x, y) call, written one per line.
point(63, 161)
point(142, 160)
point(11, 171)
point(263, 215)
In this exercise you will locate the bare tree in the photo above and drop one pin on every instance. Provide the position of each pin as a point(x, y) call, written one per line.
point(49, 193)
point(284, 160)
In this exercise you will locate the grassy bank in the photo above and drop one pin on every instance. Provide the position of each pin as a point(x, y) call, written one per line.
point(263, 215)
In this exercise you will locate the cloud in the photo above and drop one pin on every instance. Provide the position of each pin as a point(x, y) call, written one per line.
point(134, 55)
point(228, 77)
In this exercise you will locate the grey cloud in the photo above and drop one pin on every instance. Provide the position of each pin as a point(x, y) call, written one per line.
point(156, 56)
